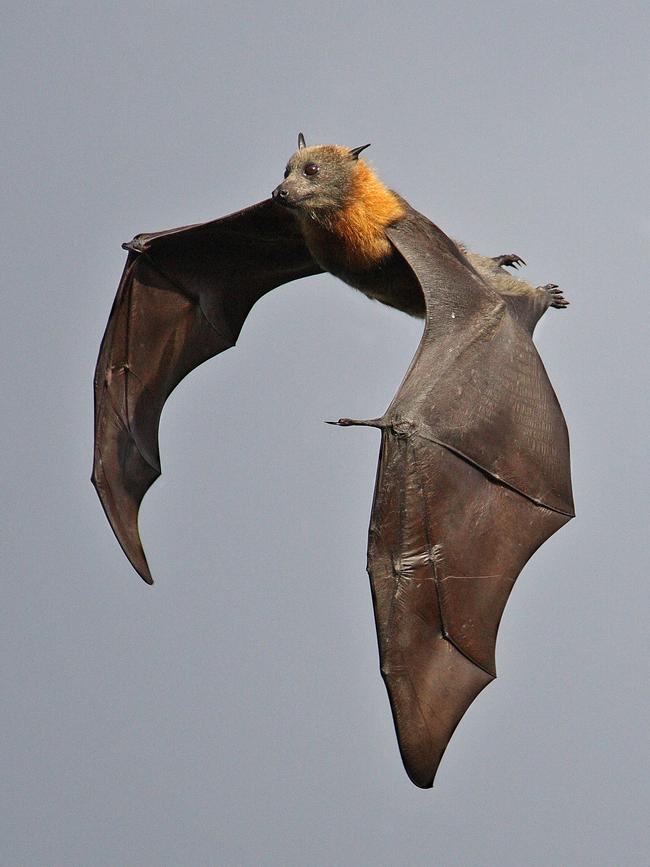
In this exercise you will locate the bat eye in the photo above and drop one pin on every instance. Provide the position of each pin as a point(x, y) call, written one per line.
point(286, 172)
point(311, 169)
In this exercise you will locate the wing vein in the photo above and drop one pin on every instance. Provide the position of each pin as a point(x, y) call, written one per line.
point(498, 479)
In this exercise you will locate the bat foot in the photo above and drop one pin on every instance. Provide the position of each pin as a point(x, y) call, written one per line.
point(512, 260)
point(555, 295)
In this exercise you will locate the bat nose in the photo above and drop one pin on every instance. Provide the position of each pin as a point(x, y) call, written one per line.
point(280, 193)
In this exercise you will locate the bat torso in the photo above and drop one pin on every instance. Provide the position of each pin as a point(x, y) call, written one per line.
point(345, 215)
point(367, 261)
point(385, 277)
point(351, 244)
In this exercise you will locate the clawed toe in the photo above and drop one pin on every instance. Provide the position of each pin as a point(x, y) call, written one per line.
point(512, 260)
point(557, 296)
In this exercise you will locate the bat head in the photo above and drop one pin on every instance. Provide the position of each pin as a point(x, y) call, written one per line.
point(318, 179)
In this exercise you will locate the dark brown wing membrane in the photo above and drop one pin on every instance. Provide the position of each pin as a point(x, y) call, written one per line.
point(477, 384)
point(473, 477)
point(183, 298)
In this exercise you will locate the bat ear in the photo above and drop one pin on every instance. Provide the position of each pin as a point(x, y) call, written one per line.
point(301, 141)
point(354, 152)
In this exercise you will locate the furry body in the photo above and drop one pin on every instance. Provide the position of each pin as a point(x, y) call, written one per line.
point(343, 211)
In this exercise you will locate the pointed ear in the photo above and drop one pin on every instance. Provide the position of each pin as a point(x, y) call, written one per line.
point(301, 141)
point(354, 152)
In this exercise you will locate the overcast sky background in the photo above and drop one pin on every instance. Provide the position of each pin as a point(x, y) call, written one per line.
point(234, 714)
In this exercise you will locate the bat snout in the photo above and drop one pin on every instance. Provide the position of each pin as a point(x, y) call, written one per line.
point(280, 193)
point(288, 194)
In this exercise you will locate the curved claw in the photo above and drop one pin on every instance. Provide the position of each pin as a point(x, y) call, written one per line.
point(556, 295)
point(512, 260)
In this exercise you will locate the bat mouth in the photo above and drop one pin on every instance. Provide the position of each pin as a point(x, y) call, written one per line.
point(290, 205)
point(290, 202)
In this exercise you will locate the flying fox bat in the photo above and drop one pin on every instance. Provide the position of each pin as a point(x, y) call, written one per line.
point(473, 471)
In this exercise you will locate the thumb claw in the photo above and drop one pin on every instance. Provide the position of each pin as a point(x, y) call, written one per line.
point(347, 422)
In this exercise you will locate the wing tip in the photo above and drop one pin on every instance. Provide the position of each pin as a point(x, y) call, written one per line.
point(127, 536)
point(422, 781)
point(136, 557)
point(138, 560)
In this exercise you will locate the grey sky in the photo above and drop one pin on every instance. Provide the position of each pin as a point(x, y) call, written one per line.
point(234, 714)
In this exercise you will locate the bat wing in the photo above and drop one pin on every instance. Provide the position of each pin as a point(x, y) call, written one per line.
point(473, 477)
point(183, 297)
